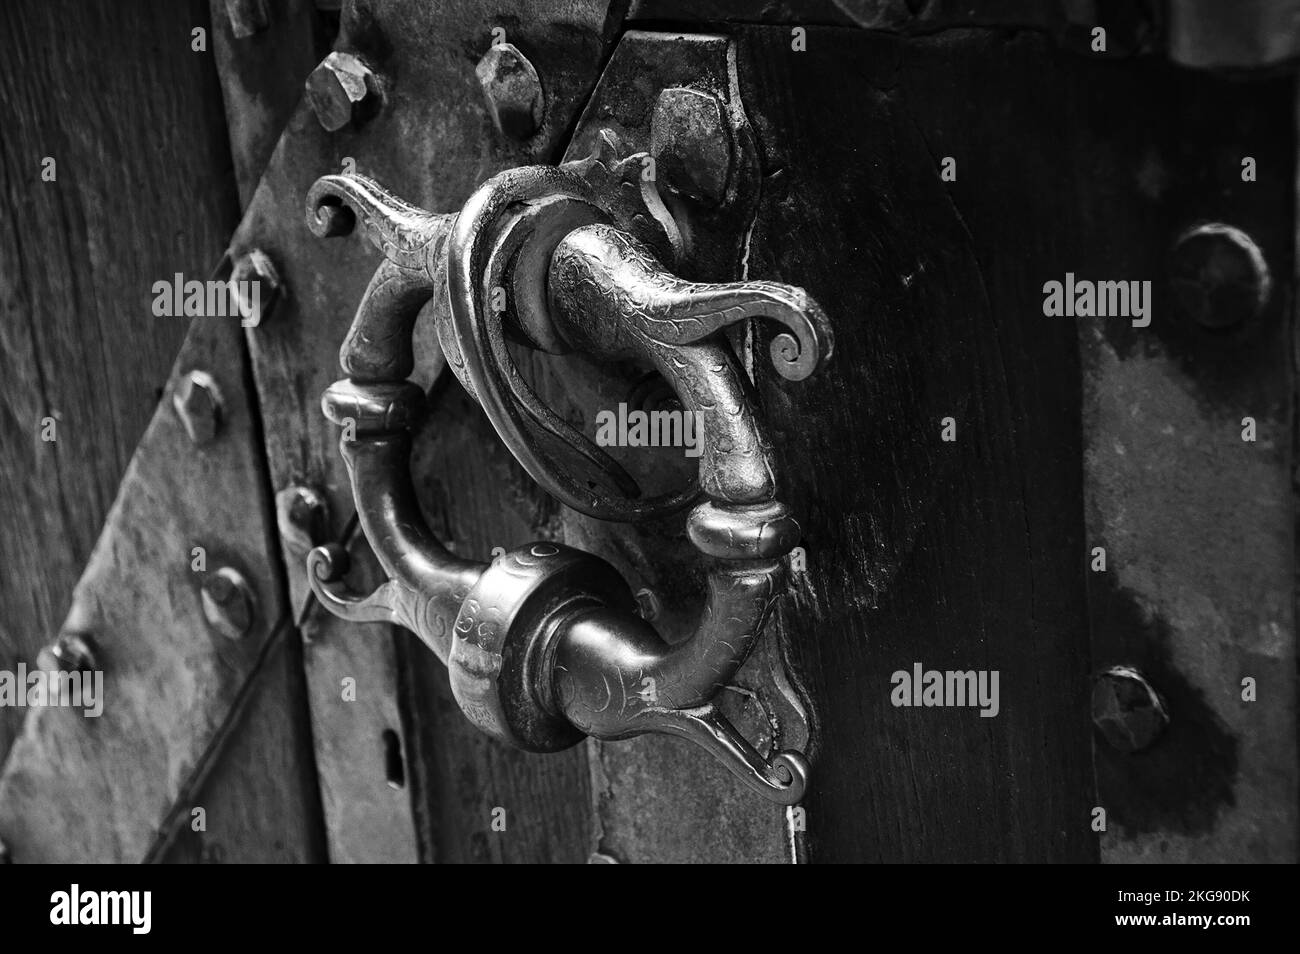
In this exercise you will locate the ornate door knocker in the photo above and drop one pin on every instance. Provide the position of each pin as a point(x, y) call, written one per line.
point(543, 644)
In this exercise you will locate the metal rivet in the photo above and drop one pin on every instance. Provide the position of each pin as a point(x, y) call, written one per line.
point(228, 603)
point(1218, 276)
point(690, 141)
point(513, 89)
point(247, 17)
point(70, 652)
point(255, 266)
point(648, 605)
point(302, 516)
point(1126, 710)
point(342, 90)
point(197, 401)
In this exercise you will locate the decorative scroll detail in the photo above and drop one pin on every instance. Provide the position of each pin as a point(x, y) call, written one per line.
point(326, 567)
point(378, 346)
point(404, 233)
point(616, 276)
point(545, 645)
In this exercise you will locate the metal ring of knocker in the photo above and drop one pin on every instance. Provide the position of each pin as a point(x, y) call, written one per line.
point(543, 645)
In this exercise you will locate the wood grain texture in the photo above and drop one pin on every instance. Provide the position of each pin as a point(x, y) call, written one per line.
point(476, 497)
point(142, 191)
point(262, 79)
point(962, 555)
point(78, 788)
point(432, 143)
point(131, 114)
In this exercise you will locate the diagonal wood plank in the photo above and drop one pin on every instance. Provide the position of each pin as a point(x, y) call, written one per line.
point(170, 678)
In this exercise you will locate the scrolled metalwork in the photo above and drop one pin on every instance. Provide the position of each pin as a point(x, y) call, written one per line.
point(543, 644)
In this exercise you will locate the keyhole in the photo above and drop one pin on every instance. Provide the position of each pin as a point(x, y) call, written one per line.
point(394, 767)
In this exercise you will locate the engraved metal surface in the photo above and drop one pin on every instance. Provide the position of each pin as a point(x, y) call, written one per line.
point(544, 645)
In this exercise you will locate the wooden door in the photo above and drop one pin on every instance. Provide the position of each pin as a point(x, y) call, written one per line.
point(1096, 511)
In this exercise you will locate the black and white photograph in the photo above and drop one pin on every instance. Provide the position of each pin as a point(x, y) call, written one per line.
point(649, 432)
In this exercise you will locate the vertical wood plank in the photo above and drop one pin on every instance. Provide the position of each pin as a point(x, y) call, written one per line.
point(477, 497)
point(962, 555)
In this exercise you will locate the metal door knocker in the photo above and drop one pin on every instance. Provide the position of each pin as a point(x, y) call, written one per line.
point(543, 644)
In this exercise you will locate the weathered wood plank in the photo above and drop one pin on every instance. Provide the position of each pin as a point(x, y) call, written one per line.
point(131, 114)
point(960, 555)
point(169, 677)
point(132, 118)
point(477, 497)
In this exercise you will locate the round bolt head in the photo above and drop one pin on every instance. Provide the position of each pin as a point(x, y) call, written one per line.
point(1218, 276)
point(1126, 710)
point(228, 603)
point(690, 141)
point(342, 90)
point(302, 516)
point(255, 284)
point(71, 652)
point(513, 90)
point(197, 402)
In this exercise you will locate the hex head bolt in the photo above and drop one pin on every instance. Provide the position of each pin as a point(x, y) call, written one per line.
point(255, 266)
point(197, 402)
point(513, 90)
point(690, 141)
point(342, 90)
